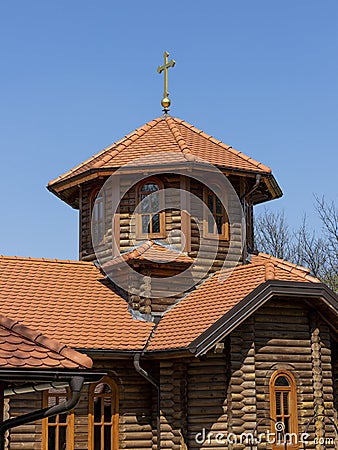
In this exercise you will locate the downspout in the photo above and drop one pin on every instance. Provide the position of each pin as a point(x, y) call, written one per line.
point(243, 198)
point(151, 380)
point(254, 187)
point(75, 383)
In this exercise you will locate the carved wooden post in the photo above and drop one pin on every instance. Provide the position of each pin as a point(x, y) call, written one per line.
point(243, 384)
point(318, 399)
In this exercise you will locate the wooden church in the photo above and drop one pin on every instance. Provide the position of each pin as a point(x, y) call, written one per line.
point(249, 360)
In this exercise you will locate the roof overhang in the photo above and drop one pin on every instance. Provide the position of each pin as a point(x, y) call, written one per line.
point(249, 304)
point(67, 189)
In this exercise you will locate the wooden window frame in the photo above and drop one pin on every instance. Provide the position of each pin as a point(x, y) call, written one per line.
point(225, 236)
point(115, 413)
point(69, 424)
point(92, 203)
point(139, 233)
point(293, 413)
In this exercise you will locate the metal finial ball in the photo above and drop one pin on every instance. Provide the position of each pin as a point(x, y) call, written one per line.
point(165, 102)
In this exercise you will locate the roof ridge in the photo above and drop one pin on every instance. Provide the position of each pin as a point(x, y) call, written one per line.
point(46, 342)
point(137, 251)
point(284, 261)
point(118, 143)
point(210, 138)
point(169, 247)
point(301, 271)
point(129, 254)
point(238, 268)
point(121, 144)
point(49, 260)
point(179, 138)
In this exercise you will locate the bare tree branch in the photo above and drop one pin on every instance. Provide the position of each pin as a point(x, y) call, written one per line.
point(318, 252)
point(272, 234)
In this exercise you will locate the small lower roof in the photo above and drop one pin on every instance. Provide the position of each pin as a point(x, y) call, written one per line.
point(70, 301)
point(24, 348)
point(199, 310)
point(150, 252)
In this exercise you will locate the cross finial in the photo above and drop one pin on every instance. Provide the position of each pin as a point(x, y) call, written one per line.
point(167, 64)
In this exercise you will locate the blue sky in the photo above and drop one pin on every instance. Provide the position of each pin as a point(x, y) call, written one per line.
point(78, 75)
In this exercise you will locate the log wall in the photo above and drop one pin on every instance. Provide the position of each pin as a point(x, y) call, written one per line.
point(25, 437)
point(334, 349)
point(173, 379)
point(127, 227)
point(298, 342)
point(124, 228)
point(225, 392)
point(136, 413)
point(207, 401)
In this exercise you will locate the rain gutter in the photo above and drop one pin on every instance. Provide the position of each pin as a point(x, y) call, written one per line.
point(74, 379)
point(76, 384)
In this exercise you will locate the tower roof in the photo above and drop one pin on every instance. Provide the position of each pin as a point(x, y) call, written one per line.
point(164, 134)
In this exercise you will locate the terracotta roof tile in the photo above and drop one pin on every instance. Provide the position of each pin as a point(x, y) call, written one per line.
point(72, 302)
point(166, 134)
point(194, 314)
point(21, 346)
point(69, 301)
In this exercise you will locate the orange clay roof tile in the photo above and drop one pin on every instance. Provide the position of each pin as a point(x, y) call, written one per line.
point(166, 134)
point(72, 302)
point(21, 346)
point(69, 301)
point(195, 313)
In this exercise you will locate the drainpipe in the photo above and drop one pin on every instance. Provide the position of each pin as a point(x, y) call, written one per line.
point(75, 384)
point(151, 380)
point(244, 197)
point(254, 187)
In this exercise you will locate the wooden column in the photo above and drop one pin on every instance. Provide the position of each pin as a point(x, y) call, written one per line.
point(80, 223)
point(2, 401)
point(173, 405)
point(322, 380)
point(185, 215)
point(243, 383)
point(208, 380)
point(318, 399)
point(116, 218)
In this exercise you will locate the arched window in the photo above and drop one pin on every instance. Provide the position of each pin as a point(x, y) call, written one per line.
point(216, 224)
point(103, 432)
point(283, 409)
point(57, 431)
point(151, 222)
point(98, 218)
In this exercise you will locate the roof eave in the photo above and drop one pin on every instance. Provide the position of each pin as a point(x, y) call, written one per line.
point(273, 186)
point(127, 354)
point(57, 187)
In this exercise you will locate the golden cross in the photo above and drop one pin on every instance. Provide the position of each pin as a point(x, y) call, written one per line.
point(167, 64)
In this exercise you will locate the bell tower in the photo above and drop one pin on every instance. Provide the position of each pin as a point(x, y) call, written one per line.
point(165, 206)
